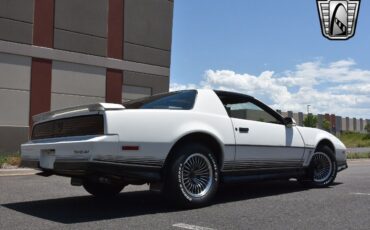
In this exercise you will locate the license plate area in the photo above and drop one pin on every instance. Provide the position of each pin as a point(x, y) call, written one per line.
point(47, 158)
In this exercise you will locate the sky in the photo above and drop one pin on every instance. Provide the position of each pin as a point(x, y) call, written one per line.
point(274, 51)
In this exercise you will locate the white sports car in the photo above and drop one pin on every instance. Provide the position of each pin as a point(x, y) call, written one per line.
point(183, 143)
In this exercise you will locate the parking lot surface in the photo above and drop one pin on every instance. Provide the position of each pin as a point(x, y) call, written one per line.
point(34, 202)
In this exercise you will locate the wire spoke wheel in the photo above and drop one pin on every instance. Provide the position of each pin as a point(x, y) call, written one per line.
point(322, 167)
point(197, 175)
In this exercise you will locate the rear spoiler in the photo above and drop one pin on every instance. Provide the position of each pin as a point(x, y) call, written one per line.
point(77, 109)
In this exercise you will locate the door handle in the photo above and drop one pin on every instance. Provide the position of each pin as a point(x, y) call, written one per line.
point(243, 130)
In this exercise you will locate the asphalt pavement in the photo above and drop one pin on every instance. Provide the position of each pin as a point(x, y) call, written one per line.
point(34, 202)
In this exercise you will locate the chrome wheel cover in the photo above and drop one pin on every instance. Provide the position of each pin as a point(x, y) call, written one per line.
point(322, 167)
point(197, 175)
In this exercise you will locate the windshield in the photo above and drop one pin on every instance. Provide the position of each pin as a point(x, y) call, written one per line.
point(180, 100)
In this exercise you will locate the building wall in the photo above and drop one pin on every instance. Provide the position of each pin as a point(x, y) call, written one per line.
point(155, 83)
point(16, 20)
point(351, 128)
point(338, 124)
point(61, 53)
point(81, 26)
point(131, 92)
point(14, 100)
point(147, 34)
point(358, 127)
point(14, 89)
point(75, 84)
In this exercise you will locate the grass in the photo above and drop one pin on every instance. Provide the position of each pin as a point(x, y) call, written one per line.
point(358, 155)
point(355, 140)
point(13, 159)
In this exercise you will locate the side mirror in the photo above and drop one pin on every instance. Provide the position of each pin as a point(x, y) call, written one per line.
point(289, 122)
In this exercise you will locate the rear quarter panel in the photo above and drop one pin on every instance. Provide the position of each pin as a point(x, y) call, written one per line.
point(156, 131)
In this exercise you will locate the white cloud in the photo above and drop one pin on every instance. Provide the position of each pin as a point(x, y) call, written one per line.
point(338, 87)
point(176, 87)
point(358, 89)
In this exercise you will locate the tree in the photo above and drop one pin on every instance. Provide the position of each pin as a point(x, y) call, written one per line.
point(310, 121)
point(367, 128)
point(326, 125)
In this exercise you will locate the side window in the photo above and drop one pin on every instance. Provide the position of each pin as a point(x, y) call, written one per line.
point(250, 111)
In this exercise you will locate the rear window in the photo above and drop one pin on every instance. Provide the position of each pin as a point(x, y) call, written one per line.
point(180, 100)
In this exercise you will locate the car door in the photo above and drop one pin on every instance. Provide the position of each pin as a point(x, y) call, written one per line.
point(262, 139)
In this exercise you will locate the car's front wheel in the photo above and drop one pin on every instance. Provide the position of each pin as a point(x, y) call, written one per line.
point(102, 190)
point(192, 177)
point(322, 169)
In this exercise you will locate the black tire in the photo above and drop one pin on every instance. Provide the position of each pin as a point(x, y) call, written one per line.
point(102, 190)
point(192, 176)
point(322, 170)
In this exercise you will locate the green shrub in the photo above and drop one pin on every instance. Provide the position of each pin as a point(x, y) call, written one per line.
point(367, 128)
point(354, 140)
point(326, 125)
point(13, 159)
point(358, 155)
point(310, 121)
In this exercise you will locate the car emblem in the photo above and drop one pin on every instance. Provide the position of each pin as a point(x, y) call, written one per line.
point(338, 18)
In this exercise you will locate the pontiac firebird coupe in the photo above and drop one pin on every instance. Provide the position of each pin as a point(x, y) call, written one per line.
point(182, 143)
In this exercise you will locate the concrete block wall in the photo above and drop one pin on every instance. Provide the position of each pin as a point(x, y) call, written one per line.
point(344, 123)
point(14, 89)
point(81, 26)
point(337, 123)
point(61, 53)
point(320, 121)
point(75, 84)
point(295, 117)
point(11, 137)
point(147, 34)
point(143, 84)
point(300, 119)
point(14, 100)
point(358, 128)
point(16, 20)
point(351, 128)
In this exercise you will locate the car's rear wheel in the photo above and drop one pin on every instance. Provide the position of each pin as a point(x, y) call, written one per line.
point(192, 177)
point(322, 169)
point(102, 190)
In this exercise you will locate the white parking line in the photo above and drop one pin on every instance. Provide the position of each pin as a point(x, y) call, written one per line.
point(192, 227)
point(360, 194)
point(17, 174)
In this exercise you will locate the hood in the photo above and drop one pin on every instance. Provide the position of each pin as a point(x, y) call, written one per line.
point(312, 136)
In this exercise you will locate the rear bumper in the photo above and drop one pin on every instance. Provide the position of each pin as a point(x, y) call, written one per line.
point(85, 169)
point(76, 157)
